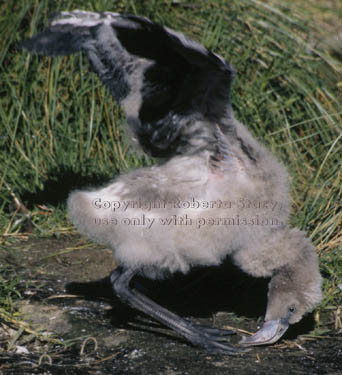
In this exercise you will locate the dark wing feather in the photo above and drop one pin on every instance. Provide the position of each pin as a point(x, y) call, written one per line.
point(157, 75)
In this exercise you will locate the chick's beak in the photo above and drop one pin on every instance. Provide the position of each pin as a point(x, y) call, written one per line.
point(269, 333)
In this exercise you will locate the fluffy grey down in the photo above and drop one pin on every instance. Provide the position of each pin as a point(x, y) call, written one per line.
point(217, 192)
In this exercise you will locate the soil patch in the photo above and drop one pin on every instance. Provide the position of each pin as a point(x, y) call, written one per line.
point(104, 336)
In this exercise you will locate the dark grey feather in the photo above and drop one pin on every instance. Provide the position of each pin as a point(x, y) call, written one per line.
point(160, 77)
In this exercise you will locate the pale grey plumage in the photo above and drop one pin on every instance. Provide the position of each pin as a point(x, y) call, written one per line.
point(218, 193)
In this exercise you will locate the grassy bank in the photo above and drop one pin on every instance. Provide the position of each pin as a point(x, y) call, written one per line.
point(59, 128)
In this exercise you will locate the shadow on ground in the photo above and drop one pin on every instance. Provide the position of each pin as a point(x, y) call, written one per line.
point(67, 292)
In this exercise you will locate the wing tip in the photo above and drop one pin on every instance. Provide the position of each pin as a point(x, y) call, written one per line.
point(53, 43)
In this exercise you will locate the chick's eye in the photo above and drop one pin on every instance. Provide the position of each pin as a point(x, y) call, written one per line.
point(292, 309)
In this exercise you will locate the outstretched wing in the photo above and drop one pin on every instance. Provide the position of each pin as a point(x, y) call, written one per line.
point(157, 75)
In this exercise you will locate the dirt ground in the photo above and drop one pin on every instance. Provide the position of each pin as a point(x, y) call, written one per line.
point(106, 337)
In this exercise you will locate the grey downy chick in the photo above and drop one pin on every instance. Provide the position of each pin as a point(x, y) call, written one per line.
point(217, 192)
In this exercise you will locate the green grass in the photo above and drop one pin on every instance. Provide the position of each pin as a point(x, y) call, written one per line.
point(60, 129)
point(9, 288)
